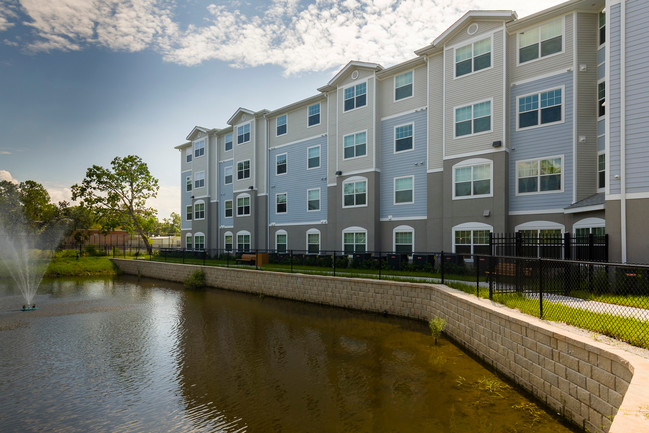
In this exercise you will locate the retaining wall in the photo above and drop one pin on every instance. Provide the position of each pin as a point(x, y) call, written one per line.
point(588, 382)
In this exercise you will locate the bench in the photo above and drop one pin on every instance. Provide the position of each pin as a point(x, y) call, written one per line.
point(249, 258)
point(509, 270)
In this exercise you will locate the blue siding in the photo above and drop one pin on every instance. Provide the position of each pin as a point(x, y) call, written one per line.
point(613, 104)
point(297, 181)
point(185, 199)
point(225, 193)
point(637, 97)
point(403, 164)
point(541, 142)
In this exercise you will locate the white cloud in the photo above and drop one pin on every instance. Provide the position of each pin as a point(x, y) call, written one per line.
point(296, 35)
point(5, 175)
point(168, 201)
point(58, 193)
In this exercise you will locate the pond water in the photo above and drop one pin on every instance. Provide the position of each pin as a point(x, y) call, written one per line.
point(122, 355)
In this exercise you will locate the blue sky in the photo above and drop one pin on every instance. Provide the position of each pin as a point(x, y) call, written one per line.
point(83, 81)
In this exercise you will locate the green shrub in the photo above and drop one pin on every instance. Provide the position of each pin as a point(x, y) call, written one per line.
point(436, 325)
point(196, 280)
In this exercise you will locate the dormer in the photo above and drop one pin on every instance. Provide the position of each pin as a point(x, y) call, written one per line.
point(197, 132)
point(353, 71)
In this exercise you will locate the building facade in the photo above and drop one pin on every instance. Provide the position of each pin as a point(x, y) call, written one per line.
point(501, 125)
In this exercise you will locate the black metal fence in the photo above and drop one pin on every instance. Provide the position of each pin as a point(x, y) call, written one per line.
point(554, 246)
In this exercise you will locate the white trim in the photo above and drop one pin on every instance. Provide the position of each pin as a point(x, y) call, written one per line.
point(319, 157)
point(394, 86)
point(354, 180)
point(470, 227)
point(408, 218)
point(472, 163)
point(394, 137)
point(249, 169)
point(589, 223)
point(600, 152)
point(204, 240)
point(354, 84)
point(537, 26)
point(403, 113)
point(319, 199)
point(285, 163)
point(540, 225)
point(277, 126)
point(354, 134)
point(472, 104)
point(319, 115)
point(223, 161)
point(539, 192)
point(394, 190)
point(197, 202)
point(539, 77)
point(477, 153)
point(233, 240)
point(435, 170)
point(302, 140)
point(575, 103)
point(242, 125)
point(535, 212)
point(307, 223)
point(286, 211)
point(278, 233)
point(235, 244)
point(584, 209)
point(403, 229)
point(313, 231)
point(224, 208)
point(231, 175)
point(623, 195)
point(471, 42)
point(542, 125)
point(353, 229)
point(242, 196)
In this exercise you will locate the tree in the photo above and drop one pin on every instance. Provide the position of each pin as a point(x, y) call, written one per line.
point(118, 195)
point(38, 209)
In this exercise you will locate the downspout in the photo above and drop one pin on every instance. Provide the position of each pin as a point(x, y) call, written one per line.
point(267, 183)
point(623, 234)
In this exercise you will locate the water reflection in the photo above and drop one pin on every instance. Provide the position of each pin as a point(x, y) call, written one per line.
point(122, 355)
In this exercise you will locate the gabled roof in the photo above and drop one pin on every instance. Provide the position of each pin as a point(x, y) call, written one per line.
point(404, 66)
point(307, 101)
point(354, 64)
point(556, 11)
point(197, 130)
point(239, 112)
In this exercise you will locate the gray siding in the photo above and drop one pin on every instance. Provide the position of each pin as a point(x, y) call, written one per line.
point(436, 112)
point(297, 126)
point(225, 194)
point(354, 121)
point(296, 181)
point(403, 164)
point(541, 142)
point(613, 103)
point(386, 103)
point(637, 97)
point(185, 200)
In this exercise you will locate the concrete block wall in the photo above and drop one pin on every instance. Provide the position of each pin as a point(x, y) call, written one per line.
point(588, 382)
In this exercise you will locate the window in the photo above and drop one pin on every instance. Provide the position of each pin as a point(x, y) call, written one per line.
point(541, 239)
point(199, 148)
point(314, 115)
point(403, 86)
point(281, 241)
point(355, 96)
point(403, 138)
point(280, 202)
point(602, 27)
point(472, 241)
point(601, 98)
point(541, 41)
point(473, 57)
point(589, 226)
point(243, 205)
point(354, 240)
point(313, 200)
point(228, 142)
point(199, 179)
point(472, 179)
point(188, 242)
point(228, 208)
point(281, 125)
point(355, 193)
point(188, 184)
point(280, 164)
point(188, 155)
point(243, 241)
point(313, 157)
point(355, 145)
point(199, 241)
point(473, 119)
point(227, 173)
point(601, 170)
point(403, 190)
point(199, 211)
point(540, 109)
point(542, 175)
point(403, 239)
point(243, 169)
point(243, 133)
point(189, 213)
point(313, 241)
point(227, 241)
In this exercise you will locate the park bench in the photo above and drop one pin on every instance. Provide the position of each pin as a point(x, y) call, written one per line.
point(248, 258)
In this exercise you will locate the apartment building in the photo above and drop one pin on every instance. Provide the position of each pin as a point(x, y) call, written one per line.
point(501, 125)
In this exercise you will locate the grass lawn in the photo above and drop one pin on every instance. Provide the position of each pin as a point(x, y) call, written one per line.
point(70, 266)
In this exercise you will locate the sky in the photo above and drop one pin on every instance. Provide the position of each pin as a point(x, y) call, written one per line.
point(84, 81)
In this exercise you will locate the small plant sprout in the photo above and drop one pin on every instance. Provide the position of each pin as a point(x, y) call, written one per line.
point(436, 325)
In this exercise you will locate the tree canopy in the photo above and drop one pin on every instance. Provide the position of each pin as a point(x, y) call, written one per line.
point(118, 195)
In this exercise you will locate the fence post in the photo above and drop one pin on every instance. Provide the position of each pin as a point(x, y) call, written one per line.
point(540, 288)
point(441, 266)
point(567, 249)
point(204, 254)
point(476, 260)
point(591, 246)
point(291, 255)
point(227, 259)
point(491, 276)
point(379, 265)
point(333, 259)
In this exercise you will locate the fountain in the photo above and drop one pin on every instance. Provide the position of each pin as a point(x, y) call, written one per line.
point(24, 257)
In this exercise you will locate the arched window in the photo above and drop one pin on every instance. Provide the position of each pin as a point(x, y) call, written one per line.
point(313, 241)
point(199, 210)
point(473, 178)
point(281, 241)
point(189, 242)
point(243, 241)
point(355, 192)
point(471, 238)
point(354, 240)
point(228, 241)
point(403, 239)
point(199, 241)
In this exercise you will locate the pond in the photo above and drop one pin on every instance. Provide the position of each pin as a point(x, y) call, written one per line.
point(122, 355)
